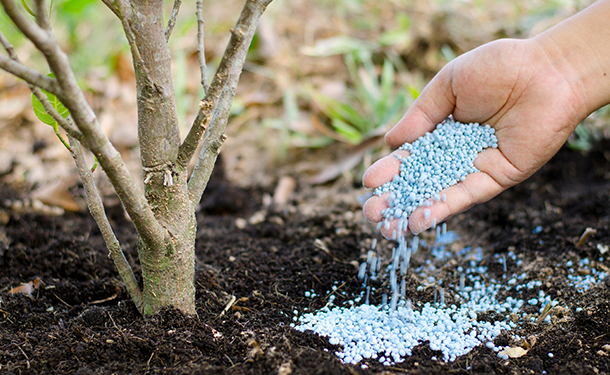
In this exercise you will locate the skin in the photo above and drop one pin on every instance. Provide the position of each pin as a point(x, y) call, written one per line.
point(534, 92)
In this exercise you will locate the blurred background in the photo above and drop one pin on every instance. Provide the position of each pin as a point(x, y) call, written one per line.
point(324, 80)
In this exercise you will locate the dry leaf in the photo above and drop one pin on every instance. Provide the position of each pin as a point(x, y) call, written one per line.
point(514, 352)
point(283, 190)
point(57, 194)
point(27, 288)
point(285, 369)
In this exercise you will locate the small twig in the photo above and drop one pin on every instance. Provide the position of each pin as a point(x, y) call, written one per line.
point(333, 292)
point(227, 307)
point(172, 19)
point(148, 362)
point(229, 358)
point(583, 237)
point(103, 300)
point(25, 355)
point(117, 328)
point(201, 47)
point(61, 300)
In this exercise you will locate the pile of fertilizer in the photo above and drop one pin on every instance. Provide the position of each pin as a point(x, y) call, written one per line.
point(380, 333)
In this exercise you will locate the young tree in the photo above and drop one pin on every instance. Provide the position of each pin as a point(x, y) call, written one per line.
point(164, 214)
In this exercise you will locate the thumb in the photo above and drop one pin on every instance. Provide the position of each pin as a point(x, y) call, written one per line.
point(433, 105)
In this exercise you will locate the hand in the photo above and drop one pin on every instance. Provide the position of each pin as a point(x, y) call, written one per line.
point(515, 86)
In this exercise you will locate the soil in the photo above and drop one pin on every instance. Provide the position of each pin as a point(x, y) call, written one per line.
point(252, 275)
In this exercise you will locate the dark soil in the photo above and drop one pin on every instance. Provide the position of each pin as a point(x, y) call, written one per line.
point(80, 321)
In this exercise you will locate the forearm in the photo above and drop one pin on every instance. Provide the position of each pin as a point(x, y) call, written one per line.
point(579, 48)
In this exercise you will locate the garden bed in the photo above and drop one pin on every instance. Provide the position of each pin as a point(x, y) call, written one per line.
point(252, 275)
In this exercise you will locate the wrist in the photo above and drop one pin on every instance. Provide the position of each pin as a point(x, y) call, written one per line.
point(579, 49)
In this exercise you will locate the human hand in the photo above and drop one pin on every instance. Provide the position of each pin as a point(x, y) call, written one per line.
point(512, 85)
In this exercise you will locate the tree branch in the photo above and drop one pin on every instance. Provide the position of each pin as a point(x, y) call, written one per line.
point(94, 138)
point(42, 18)
point(63, 122)
point(214, 139)
point(228, 73)
point(96, 207)
point(29, 75)
point(172, 19)
point(113, 6)
point(201, 48)
point(31, 31)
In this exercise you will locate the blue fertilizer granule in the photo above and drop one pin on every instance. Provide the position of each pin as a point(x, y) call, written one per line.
point(437, 160)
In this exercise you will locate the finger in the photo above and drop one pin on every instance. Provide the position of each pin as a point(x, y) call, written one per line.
point(393, 229)
point(493, 162)
point(383, 170)
point(390, 229)
point(373, 206)
point(476, 188)
point(433, 105)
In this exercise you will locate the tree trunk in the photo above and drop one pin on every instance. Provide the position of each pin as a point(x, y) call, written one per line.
point(167, 271)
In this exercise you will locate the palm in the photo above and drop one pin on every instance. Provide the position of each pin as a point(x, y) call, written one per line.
point(507, 84)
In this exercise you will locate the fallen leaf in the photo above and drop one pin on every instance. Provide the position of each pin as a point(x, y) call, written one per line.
point(283, 190)
point(58, 194)
point(514, 352)
point(27, 288)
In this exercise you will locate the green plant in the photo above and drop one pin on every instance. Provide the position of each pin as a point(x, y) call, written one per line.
point(590, 131)
point(372, 103)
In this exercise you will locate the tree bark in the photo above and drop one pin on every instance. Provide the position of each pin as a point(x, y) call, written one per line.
point(167, 272)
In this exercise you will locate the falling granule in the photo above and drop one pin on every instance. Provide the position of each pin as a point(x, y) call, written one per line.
point(389, 332)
